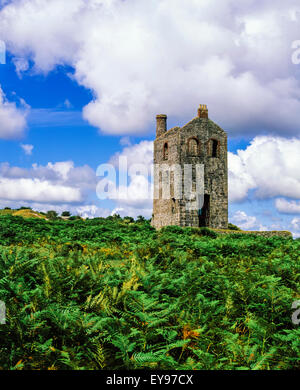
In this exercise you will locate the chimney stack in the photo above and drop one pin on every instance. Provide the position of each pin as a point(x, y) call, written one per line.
point(161, 124)
point(203, 111)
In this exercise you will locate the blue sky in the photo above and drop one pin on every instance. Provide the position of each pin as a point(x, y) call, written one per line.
point(83, 82)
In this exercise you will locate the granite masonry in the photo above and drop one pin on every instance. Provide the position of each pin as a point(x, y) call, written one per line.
point(199, 143)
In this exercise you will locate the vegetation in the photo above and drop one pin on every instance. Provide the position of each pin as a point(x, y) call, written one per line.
point(24, 212)
point(52, 215)
point(231, 226)
point(116, 294)
point(66, 214)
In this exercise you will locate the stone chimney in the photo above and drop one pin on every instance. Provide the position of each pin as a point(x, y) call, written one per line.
point(161, 124)
point(203, 111)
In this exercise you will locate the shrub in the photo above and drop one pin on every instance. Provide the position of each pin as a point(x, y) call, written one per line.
point(233, 227)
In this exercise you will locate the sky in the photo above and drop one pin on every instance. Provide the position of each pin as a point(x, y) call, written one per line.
point(81, 82)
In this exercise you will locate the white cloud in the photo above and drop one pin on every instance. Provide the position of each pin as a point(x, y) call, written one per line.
point(61, 168)
point(296, 223)
point(27, 149)
point(269, 166)
point(246, 222)
point(287, 207)
point(136, 197)
point(21, 65)
point(12, 119)
point(143, 57)
point(240, 181)
point(127, 211)
point(91, 211)
point(37, 191)
point(137, 194)
point(54, 183)
point(141, 153)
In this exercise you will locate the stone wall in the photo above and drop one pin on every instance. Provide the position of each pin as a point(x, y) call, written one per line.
point(258, 233)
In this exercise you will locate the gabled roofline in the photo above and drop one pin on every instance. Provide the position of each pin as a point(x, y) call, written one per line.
point(197, 119)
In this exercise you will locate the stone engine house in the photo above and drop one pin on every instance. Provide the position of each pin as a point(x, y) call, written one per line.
point(201, 141)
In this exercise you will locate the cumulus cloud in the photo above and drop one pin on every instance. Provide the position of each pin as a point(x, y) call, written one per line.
point(296, 223)
point(54, 183)
point(12, 119)
point(240, 180)
point(269, 166)
point(141, 153)
point(287, 207)
point(91, 211)
point(137, 194)
point(143, 57)
point(37, 191)
point(134, 197)
point(246, 222)
point(61, 186)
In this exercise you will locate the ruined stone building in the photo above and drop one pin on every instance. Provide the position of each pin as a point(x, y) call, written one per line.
point(201, 142)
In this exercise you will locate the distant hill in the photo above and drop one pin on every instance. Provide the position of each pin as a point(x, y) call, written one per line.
point(25, 213)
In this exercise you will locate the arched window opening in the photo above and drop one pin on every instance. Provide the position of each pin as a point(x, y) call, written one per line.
point(193, 147)
point(214, 148)
point(166, 151)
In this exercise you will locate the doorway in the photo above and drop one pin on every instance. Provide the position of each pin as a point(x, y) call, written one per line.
point(203, 214)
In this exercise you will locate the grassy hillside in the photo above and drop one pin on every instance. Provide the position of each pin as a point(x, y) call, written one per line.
point(25, 213)
point(112, 293)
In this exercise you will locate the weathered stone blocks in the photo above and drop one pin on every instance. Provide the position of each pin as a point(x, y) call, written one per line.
point(200, 141)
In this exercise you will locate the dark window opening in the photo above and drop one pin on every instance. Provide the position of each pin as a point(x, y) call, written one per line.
point(203, 213)
point(166, 152)
point(214, 146)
